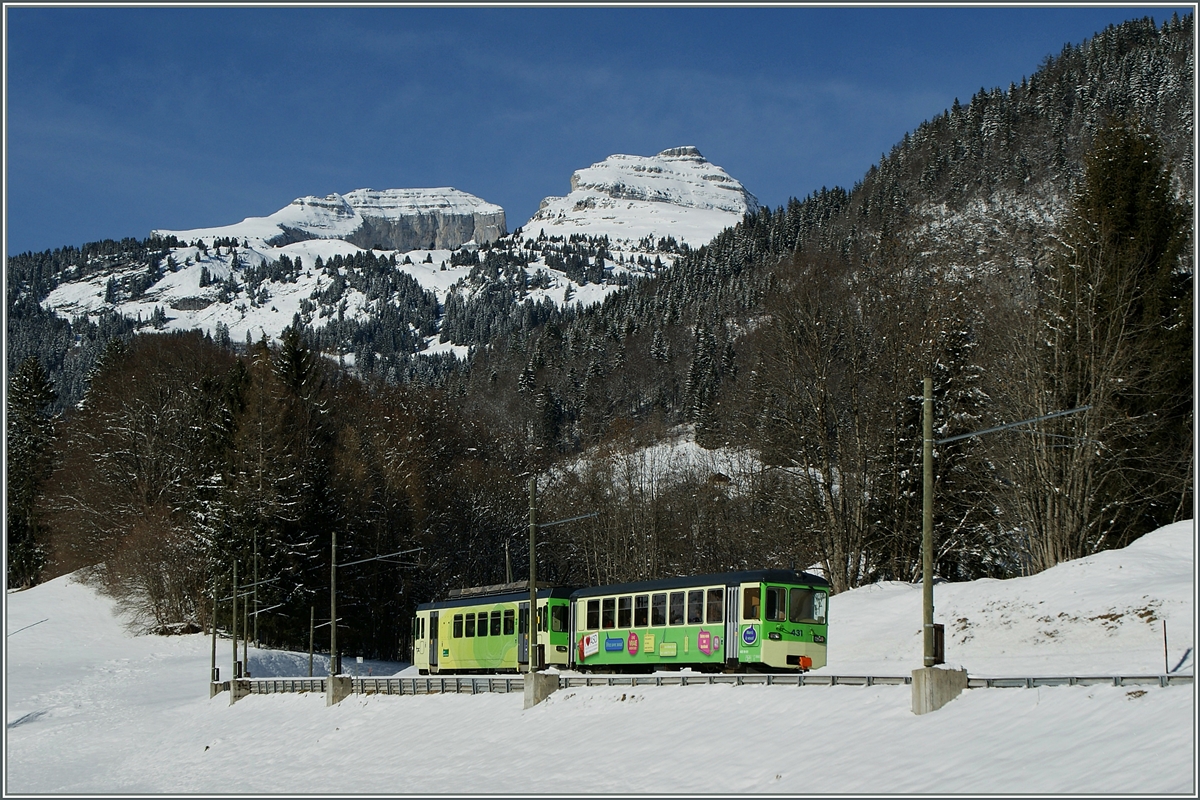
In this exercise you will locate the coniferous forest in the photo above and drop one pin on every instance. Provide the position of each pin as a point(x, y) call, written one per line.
point(1030, 250)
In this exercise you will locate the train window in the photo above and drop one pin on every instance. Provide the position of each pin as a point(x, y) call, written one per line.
point(625, 612)
point(750, 604)
point(676, 608)
point(458, 626)
point(509, 622)
point(608, 613)
point(523, 621)
point(558, 619)
point(776, 604)
point(716, 606)
point(470, 625)
point(593, 615)
point(495, 626)
point(641, 611)
point(543, 620)
point(807, 606)
point(695, 607)
point(658, 610)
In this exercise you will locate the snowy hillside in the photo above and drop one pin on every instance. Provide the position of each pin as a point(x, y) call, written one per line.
point(202, 289)
point(91, 709)
point(676, 193)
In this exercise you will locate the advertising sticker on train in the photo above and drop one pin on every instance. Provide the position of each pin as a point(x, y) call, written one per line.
point(750, 635)
point(589, 645)
point(633, 643)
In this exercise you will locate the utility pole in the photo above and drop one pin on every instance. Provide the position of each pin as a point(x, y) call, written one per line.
point(927, 525)
point(234, 675)
point(333, 654)
point(256, 587)
point(312, 619)
point(927, 506)
point(215, 676)
point(246, 637)
point(532, 573)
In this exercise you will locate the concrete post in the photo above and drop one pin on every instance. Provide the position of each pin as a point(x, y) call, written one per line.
point(238, 689)
point(933, 687)
point(539, 686)
point(339, 689)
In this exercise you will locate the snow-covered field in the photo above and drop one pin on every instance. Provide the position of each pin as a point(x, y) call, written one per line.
point(92, 709)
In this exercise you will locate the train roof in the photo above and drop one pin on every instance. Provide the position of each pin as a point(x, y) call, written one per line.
point(488, 599)
point(723, 578)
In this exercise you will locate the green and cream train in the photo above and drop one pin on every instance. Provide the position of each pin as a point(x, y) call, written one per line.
point(760, 620)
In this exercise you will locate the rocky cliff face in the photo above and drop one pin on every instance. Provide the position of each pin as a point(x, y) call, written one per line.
point(408, 219)
point(389, 219)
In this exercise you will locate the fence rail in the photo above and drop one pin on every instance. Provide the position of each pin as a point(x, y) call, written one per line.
point(438, 684)
point(473, 684)
point(281, 685)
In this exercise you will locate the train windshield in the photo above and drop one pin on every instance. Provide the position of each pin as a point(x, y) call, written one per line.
point(807, 605)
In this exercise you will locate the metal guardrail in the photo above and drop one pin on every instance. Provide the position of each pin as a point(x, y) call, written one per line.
point(282, 685)
point(438, 684)
point(1091, 680)
point(471, 684)
point(747, 679)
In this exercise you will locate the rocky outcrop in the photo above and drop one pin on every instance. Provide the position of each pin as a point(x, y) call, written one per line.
point(412, 219)
point(388, 219)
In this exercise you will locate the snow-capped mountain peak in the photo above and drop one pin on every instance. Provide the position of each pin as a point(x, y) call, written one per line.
point(677, 192)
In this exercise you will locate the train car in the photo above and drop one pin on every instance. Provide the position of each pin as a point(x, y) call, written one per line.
point(485, 629)
point(760, 620)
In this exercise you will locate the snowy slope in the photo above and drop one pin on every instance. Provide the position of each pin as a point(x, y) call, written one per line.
point(92, 709)
point(189, 306)
point(676, 193)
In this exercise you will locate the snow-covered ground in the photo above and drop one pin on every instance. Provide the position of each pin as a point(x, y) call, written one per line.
point(92, 709)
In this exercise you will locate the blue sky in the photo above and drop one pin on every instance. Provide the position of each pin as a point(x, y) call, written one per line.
point(120, 120)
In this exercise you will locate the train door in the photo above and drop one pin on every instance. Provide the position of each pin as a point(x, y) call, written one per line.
point(543, 627)
point(732, 634)
point(433, 641)
point(523, 633)
point(420, 648)
point(571, 627)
